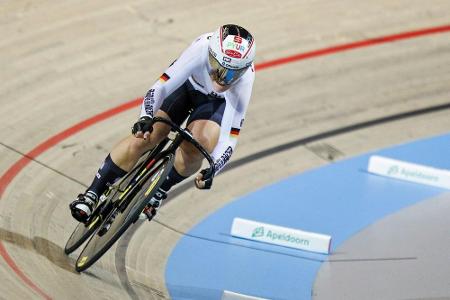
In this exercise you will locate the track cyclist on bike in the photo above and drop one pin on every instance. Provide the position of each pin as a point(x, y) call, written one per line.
point(211, 82)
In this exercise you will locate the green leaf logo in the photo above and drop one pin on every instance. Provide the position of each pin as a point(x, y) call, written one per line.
point(393, 170)
point(258, 232)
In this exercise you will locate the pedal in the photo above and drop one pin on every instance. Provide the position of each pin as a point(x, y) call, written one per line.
point(148, 213)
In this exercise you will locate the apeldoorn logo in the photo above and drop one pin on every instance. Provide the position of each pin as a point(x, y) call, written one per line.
point(393, 170)
point(418, 174)
point(258, 232)
point(286, 237)
point(409, 171)
point(279, 235)
point(396, 170)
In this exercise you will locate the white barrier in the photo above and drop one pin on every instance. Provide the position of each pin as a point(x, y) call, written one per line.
point(408, 171)
point(283, 236)
point(227, 295)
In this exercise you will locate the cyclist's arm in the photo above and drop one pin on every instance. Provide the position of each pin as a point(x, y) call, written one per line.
point(174, 76)
point(232, 122)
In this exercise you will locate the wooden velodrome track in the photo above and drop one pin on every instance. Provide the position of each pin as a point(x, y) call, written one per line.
point(62, 62)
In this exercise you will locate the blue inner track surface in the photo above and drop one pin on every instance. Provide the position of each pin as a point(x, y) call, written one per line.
point(339, 199)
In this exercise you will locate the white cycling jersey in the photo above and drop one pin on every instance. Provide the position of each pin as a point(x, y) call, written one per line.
point(193, 65)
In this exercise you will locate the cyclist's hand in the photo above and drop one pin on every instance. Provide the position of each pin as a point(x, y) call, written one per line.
point(203, 182)
point(143, 127)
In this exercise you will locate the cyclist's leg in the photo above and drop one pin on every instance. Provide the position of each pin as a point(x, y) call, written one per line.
point(118, 163)
point(124, 156)
point(204, 123)
point(128, 151)
point(188, 159)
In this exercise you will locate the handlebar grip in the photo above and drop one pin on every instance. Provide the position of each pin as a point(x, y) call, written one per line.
point(208, 175)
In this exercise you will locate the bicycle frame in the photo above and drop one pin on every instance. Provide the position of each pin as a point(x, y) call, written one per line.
point(158, 152)
point(121, 195)
point(184, 134)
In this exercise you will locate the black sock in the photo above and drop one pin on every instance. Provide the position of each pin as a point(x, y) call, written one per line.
point(172, 178)
point(108, 173)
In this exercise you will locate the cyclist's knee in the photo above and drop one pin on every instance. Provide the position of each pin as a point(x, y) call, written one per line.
point(137, 146)
point(190, 153)
point(188, 159)
point(207, 142)
point(206, 132)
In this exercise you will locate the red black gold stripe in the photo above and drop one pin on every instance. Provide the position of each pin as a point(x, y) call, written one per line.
point(164, 77)
point(234, 131)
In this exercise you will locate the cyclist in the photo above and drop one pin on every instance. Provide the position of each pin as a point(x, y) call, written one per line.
point(211, 82)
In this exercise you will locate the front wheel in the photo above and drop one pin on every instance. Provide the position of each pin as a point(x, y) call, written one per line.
point(83, 231)
point(79, 235)
point(126, 211)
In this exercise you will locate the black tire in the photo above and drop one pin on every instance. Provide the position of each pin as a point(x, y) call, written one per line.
point(80, 234)
point(83, 231)
point(125, 215)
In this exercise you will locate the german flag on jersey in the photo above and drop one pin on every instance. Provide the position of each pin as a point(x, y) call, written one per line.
point(234, 132)
point(164, 77)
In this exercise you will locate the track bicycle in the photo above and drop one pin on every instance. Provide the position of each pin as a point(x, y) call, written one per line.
point(123, 202)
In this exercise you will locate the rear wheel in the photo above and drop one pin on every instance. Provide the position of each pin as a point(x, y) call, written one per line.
point(126, 211)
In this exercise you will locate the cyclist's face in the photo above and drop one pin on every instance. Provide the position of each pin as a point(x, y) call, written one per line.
point(224, 76)
point(218, 87)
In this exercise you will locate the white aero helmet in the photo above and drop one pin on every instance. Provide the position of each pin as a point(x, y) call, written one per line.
point(231, 53)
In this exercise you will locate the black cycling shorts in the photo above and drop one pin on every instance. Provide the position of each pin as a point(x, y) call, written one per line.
point(186, 101)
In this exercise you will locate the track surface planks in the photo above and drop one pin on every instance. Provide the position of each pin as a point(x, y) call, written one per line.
point(64, 62)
